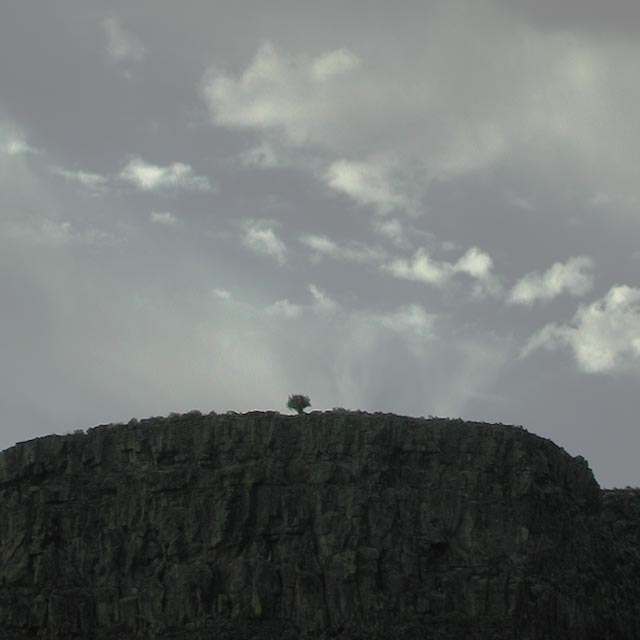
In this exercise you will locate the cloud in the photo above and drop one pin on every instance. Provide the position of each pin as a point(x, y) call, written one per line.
point(573, 277)
point(292, 97)
point(12, 140)
point(368, 183)
point(404, 235)
point(410, 318)
point(306, 103)
point(333, 64)
point(446, 109)
point(260, 237)
point(422, 268)
point(263, 155)
point(151, 177)
point(92, 181)
point(321, 301)
point(122, 46)
point(164, 217)
point(604, 336)
point(284, 309)
point(53, 233)
point(478, 265)
point(222, 294)
point(322, 246)
point(392, 229)
point(399, 359)
point(16, 146)
point(475, 264)
point(32, 214)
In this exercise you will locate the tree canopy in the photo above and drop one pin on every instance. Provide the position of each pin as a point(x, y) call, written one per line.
point(298, 403)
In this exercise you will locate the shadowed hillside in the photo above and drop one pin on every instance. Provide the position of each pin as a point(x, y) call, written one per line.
point(340, 524)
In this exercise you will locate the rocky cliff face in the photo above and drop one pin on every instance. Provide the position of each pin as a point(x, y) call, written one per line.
point(330, 524)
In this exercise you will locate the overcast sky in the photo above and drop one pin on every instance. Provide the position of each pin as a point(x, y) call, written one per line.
point(430, 208)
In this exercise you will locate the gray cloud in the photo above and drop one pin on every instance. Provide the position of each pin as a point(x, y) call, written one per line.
point(150, 177)
point(164, 217)
point(604, 336)
point(122, 46)
point(573, 277)
point(260, 237)
point(199, 203)
point(474, 264)
point(556, 93)
point(87, 179)
point(322, 246)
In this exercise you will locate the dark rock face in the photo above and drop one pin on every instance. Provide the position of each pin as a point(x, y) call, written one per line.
point(329, 524)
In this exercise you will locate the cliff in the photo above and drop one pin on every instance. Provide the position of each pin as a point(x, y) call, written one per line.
point(338, 524)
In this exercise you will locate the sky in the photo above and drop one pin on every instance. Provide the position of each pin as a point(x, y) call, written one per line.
point(427, 208)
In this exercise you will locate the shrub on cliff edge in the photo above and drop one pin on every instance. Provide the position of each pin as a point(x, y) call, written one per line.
point(298, 403)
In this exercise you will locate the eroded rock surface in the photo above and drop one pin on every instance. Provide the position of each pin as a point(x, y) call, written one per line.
point(329, 524)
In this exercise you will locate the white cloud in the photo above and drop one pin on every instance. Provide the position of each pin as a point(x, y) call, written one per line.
point(308, 104)
point(478, 265)
point(260, 237)
point(368, 183)
point(122, 46)
point(92, 181)
point(275, 93)
point(12, 140)
point(16, 146)
point(321, 301)
point(403, 234)
point(333, 103)
point(151, 177)
point(322, 246)
point(164, 217)
point(320, 305)
point(446, 109)
point(31, 212)
point(411, 318)
point(221, 294)
point(422, 268)
point(333, 64)
point(573, 277)
point(475, 264)
point(604, 336)
point(392, 229)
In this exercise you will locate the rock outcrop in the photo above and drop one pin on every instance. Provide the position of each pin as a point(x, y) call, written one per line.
point(329, 524)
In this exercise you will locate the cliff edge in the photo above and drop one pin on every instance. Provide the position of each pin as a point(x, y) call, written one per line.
point(337, 524)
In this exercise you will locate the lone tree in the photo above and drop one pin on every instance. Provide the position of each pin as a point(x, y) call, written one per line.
point(298, 403)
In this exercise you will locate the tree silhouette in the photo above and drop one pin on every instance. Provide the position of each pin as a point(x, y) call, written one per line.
point(298, 403)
